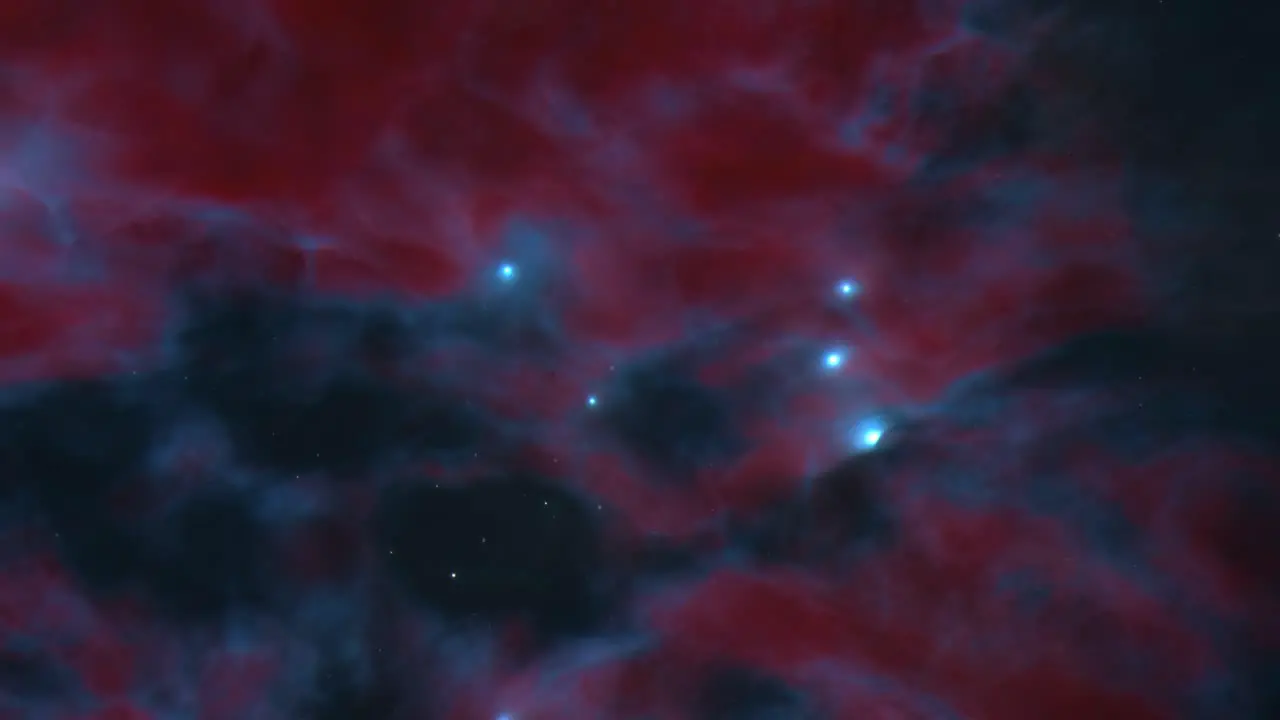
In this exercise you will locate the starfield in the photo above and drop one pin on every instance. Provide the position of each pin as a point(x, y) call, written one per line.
point(639, 360)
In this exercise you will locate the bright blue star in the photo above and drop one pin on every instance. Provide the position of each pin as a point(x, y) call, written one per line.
point(833, 359)
point(508, 273)
point(847, 288)
point(592, 401)
point(868, 433)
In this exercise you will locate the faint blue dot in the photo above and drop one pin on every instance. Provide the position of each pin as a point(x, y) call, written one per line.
point(592, 401)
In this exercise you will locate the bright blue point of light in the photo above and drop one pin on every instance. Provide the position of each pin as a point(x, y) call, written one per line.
point(592, 401)
point(847, 288)
point(868, 433)
point(508, 273)
point(833, 360)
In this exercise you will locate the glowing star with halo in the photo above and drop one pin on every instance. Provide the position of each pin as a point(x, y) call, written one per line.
point(507, 273)
point(592, 401)
point(847, 288)
point(867, 434)
point(833, 359)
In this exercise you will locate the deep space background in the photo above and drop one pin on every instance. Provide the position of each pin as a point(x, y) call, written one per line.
point(639, 360)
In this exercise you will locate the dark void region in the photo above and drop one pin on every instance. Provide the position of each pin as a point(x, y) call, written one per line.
point(156, 483)
point(1185, 94)
point(737, 693)
point(1220, 383)
point(841, 514)
point(343, 691)
point(508, 547)
point(306, 387)
point(671, 422)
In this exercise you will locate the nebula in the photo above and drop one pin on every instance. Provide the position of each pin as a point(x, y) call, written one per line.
point(639, 360)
